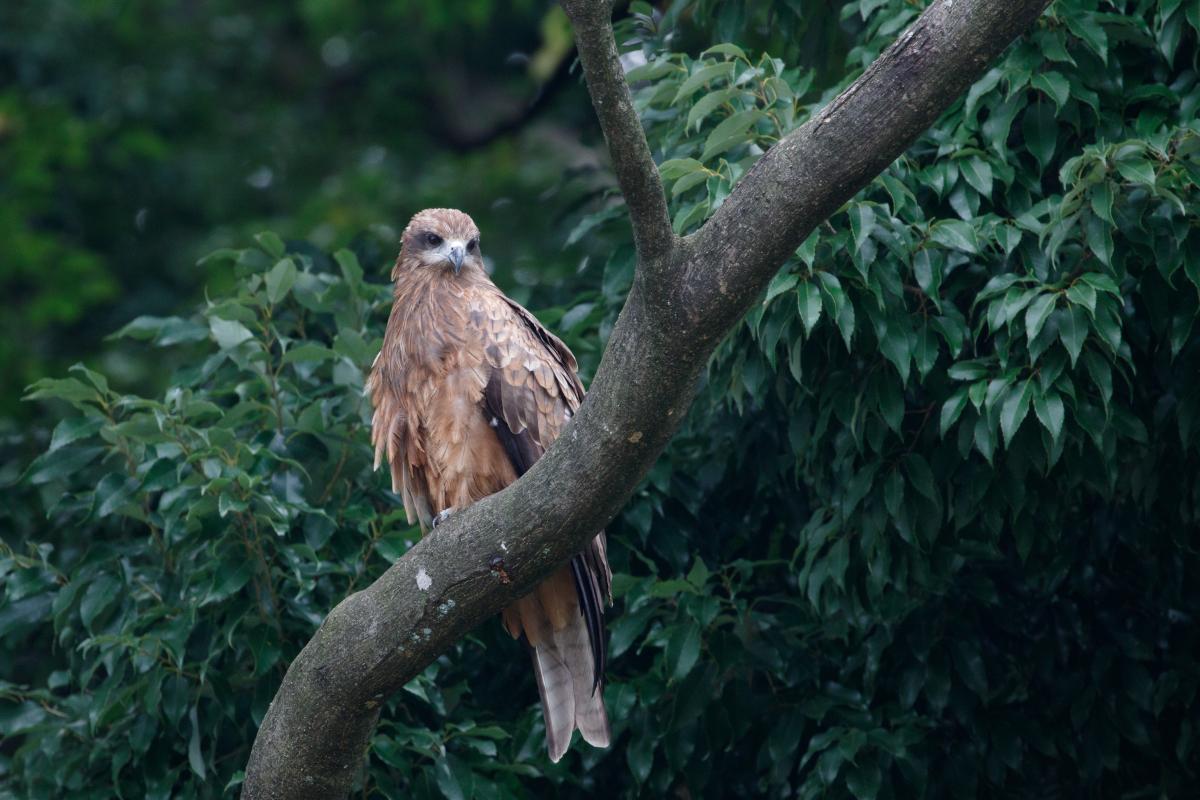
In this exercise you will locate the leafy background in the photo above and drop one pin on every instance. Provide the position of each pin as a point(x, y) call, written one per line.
point(927, 531)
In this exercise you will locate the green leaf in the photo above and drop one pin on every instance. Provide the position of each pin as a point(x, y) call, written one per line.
point(1137, 170)
point(101, 593)
point(1099, 239)
point(113, 491)
point(925, 350)
point(271, 244)
point(72, 429)
point(984, 439)
point(955, 234)
point(676, 168)
point(952, 409)
point(722, 70)
point(1037, 314)
point(1050, 413)
point(1082, 294)
point(688, 181)
point(979, 90)
point(1101, 372)
point(970, 666)
point(1101, 282)
point(1056, 87)
point(782, 282)
point(968, 370)
point(896, 345)
point(928, 271)
point(864, 779)
point(1015, 409)
point(978, 174)
point(280, 280)
point(227, 333)
point(843, 309)
point(1088, 28)
point(1102, 201)
point(195, 759)
point(921, 476)
point(893, 493)
point(862, 223)
point(710, 103)
point(144, 328)
point(1009, 237)
point(683, 649)
point(72, 390)
point(352, 271)
point(699, 573)
point(61, 463)
point(652, 70)
point(891, 404)
point(1073, 330)
point(1040, 129)
point(732, 131)
point(308, 352)
point(807, 252)
point(808, 299)
point(228, 580)
point(1108, 324)
point(727, 49)
point(19, 718)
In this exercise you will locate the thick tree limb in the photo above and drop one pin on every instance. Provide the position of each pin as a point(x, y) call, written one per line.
point(312, 742)
point(637, 174)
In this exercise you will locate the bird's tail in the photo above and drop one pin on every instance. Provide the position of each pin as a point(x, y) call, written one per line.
point(564, 667)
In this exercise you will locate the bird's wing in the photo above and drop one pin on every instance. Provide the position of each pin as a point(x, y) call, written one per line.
point(532, 391)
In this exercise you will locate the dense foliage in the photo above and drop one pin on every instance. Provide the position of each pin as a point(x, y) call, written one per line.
point(926, 532)
point(137, 136)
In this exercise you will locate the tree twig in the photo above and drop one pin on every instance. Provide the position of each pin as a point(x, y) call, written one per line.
point(637, 174)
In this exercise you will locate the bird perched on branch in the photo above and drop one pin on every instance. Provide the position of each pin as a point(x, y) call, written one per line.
point(469, 390)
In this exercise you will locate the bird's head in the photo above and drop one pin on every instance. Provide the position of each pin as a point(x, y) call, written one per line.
point(441, 238)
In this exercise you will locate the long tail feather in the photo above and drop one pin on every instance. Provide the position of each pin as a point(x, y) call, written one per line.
point(558, 699)
point(564, 669)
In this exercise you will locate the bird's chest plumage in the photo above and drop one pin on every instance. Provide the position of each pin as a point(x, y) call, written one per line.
point(443, 372)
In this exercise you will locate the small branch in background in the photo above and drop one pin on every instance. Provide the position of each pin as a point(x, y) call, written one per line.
point(458, 137)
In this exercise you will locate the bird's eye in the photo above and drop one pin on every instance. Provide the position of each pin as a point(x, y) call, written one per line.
point(432, 239)
point(471, 245)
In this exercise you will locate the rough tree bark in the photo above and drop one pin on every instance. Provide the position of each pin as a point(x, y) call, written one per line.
point(687, 294)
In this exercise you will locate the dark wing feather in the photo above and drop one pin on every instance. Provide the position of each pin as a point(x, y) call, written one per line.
point(532, 391)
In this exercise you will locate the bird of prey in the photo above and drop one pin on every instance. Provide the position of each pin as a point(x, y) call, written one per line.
point(469, 389)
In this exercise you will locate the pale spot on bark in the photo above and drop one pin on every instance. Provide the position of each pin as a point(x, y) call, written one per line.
point(635, 437)
point(423, 580)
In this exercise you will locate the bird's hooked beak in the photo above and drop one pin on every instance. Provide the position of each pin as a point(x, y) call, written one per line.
point(457, 251)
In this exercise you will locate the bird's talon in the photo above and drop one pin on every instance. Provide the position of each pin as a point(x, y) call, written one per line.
point(443, 516)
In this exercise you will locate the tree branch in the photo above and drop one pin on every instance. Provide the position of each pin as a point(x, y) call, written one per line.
point(637, 174)
point(313, 739)
point(461, 139)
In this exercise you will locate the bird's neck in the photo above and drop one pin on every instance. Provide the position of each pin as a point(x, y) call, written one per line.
point(418, 276)
point(413, 280)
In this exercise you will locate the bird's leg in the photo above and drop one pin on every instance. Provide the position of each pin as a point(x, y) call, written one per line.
point(443, 516)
